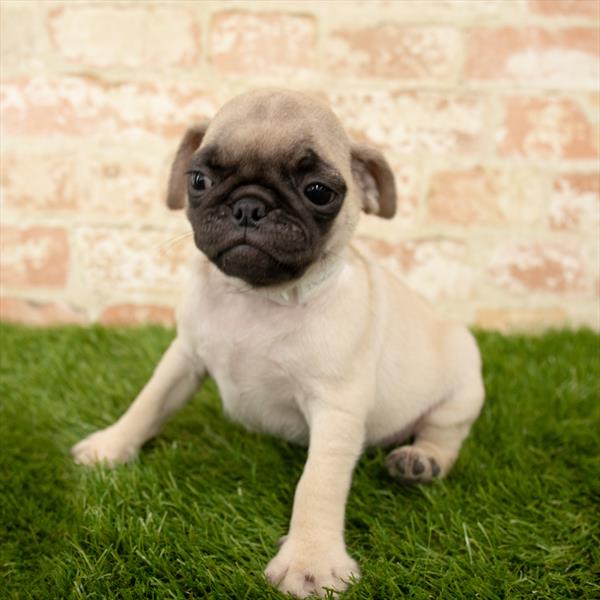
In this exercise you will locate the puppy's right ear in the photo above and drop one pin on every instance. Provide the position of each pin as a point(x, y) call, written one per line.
point(191, 141)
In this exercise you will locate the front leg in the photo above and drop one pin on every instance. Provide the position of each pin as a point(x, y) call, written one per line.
point(173, 383)
point(313, 556)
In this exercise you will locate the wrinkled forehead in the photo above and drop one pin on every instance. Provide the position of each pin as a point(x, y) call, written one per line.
point(274, 129)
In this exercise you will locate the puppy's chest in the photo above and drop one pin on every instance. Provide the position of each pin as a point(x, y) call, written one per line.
point(246, 349)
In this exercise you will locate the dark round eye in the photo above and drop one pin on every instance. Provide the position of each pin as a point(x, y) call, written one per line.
point(318, 193)
point(200, 181)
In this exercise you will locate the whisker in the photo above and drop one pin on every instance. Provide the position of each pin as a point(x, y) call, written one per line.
point(167, 244)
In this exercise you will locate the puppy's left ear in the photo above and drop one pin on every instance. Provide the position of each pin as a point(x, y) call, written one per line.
point(375, 180)
point(191, 141)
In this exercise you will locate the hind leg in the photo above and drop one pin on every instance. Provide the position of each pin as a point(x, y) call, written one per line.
point(438, 436)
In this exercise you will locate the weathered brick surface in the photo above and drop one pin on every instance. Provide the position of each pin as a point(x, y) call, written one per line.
point(566, 8)
point(80, 106)
point(102, 183)
point(30, 312)
point(34, 257)
point(104, 35)
point(433, 123)
point(263, 43)
point(407, 179)
point(546, 128)
point(396, 52)
point(131, 260)
point(432, 10)
point(575, 202)
point(486, 196)
point(567, 58)
point(128, 314)
point(480, 9)
point(533, 266)
point(21, 36)
point(488, 111)
point(438, 268)
point(31, 183)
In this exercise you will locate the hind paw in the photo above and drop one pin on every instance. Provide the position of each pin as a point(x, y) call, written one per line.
point(409, 464)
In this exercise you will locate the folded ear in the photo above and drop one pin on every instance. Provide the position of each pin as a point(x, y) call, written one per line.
point(375, 180)
point(191, 141)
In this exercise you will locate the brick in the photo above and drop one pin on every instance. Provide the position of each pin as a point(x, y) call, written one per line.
point(21, 36)
point(34, 257)
point(437, 268)
point(136, 314)
point(485, 196)
point(566, 8)
point(120, 188)
point(434, 10)
point(546, 128)
point(142, 260)
point(575, 202)
point(396, 52)
point(528, 320)
point(551, 267)
point(103, 184)
point(470, 9)
point(79, 106)
point(127, 36)
point(408, 180)
point(261, 44)
point(34, 183)
point(564, 58)
point(31, 312)
point(433, 123)
point(592, 103)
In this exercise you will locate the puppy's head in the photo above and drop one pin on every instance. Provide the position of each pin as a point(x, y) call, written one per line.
point(273, 185)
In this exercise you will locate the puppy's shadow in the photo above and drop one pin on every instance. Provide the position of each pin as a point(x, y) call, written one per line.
point(201, 441)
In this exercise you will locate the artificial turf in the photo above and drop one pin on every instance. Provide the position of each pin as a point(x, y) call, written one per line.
point(198, 515)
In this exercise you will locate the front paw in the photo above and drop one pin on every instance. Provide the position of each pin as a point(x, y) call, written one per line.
point(311, 569)
point(106, 446)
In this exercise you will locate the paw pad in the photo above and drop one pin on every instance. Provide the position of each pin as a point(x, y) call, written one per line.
point(418, 467)
point(410, 465)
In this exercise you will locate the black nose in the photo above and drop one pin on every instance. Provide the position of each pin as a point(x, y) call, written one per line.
point(247, 212)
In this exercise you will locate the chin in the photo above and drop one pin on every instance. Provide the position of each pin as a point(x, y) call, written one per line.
point(255, 266)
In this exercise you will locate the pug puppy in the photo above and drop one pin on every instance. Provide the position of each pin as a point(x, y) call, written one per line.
point(307, 338)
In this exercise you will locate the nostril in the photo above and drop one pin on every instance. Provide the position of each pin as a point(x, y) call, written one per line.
point(249, 211)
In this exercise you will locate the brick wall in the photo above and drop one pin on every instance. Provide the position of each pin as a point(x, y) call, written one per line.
point(488, 110)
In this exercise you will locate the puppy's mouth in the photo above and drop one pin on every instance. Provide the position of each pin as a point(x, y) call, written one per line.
point(241, 253)
point(254, 265)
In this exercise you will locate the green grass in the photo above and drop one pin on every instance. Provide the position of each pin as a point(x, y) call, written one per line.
point(198, 515)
